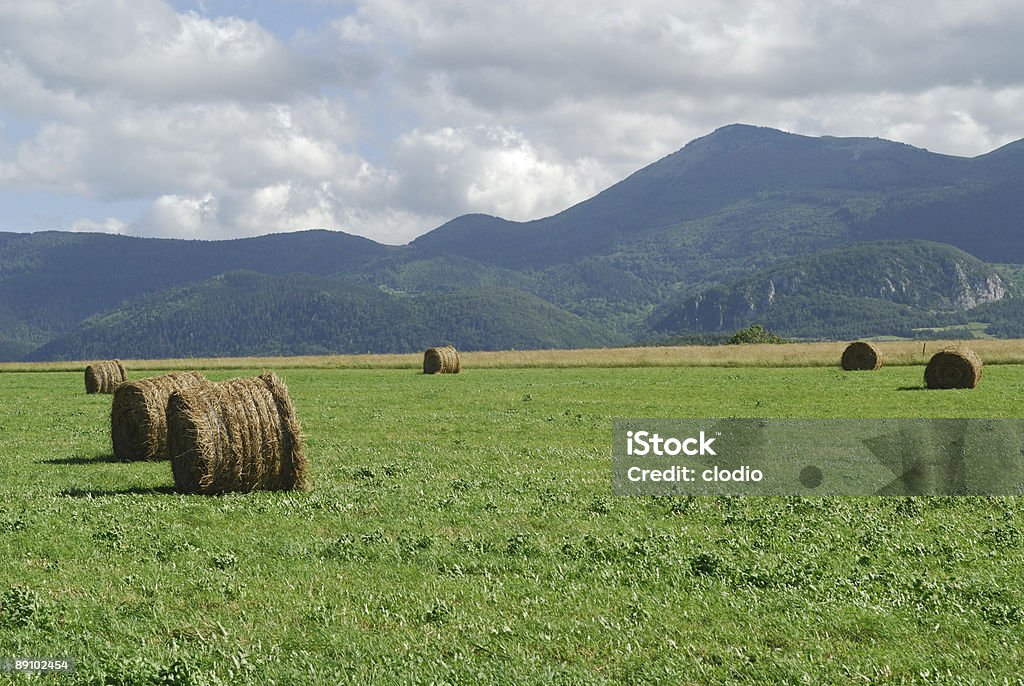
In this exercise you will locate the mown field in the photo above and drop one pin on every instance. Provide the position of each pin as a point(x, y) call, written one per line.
point(461, 529)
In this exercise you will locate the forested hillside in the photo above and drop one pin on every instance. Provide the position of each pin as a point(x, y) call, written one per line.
point(244, 313)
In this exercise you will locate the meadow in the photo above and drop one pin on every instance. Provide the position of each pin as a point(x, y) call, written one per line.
point(461, 529)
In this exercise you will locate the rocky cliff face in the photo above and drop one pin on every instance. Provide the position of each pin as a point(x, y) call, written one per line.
point(961, 288)
point(971, 292)
point(923, 277)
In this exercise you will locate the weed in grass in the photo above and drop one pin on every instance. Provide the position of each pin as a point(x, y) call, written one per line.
point(20, 606)
point(519, 546)
point(111, 536)
point(439, 612)
point(224, 561)
point(706, 564)
point(11, 525)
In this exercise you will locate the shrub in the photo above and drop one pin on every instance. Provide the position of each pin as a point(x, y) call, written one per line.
point(755, 333)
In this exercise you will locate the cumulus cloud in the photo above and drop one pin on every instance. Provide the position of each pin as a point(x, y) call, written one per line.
point(122, 151)
point(490, 169)
point(180, 216)
point(396, 115)
point(144, 50)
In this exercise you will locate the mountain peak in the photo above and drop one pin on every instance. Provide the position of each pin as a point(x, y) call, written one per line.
point(748, 131)
point(741, 136)
point(744, 137)
point(732, 138)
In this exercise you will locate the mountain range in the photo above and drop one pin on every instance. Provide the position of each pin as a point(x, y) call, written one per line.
point(815, 237)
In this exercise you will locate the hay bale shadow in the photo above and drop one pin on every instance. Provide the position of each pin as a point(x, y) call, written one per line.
point(102, 492)
point(83, 459)
point(912, 388)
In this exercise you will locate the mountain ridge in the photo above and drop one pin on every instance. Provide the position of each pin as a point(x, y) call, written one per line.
point(711, 174)
point(738, 200)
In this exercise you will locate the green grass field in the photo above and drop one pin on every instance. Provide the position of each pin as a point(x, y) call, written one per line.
point(461, 529)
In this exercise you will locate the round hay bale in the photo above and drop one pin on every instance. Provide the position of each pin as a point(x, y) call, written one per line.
point(138, 425)
point(237, 435)
point(444, 360)
point(103, 377)
point(861, 356)
point(954, 367)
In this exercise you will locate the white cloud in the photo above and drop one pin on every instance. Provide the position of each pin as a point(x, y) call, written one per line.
point(23, 93)
point(283, 207)
point(492, 170)
point(108, 225)
point(121, 151)
point(145, 51)
point(179, 217)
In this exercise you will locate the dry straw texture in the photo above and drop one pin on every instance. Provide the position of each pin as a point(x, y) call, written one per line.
point(138, 427)
point(103, 377)
point(954, 367)
point(861, 356)
point(441, 361)
point(237, 435)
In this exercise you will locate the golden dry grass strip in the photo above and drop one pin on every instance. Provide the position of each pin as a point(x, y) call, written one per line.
point(826, 354)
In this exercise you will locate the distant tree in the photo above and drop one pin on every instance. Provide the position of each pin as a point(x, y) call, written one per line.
point(755, 333)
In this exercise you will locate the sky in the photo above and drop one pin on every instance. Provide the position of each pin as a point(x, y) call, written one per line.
point(220, 119)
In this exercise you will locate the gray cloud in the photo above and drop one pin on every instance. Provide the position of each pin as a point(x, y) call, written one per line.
point(508, 55)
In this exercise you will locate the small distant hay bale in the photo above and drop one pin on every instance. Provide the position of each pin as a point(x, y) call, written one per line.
point(103, 377)
point(138, 425)
point(444, 360)
point(237, 435)
point(954, 367)
point(861, 356)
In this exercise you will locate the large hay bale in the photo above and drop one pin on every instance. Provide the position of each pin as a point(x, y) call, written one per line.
point(861, 356)
point(954, 367)
point(237, 435)
point(103, 377)
point(444, 360)
point(138, 425)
